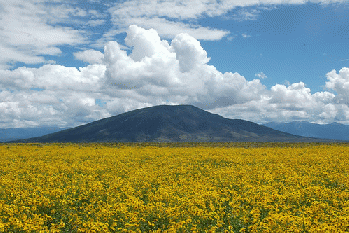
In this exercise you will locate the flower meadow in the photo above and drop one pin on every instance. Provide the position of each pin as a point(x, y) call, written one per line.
point(201, 188)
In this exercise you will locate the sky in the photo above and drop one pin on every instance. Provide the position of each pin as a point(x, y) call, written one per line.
point(68, 63)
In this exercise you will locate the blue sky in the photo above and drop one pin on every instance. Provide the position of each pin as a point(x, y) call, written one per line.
point(287, 43)
point(66, 63)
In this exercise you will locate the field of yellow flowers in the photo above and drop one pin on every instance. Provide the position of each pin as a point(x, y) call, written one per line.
point(202, 188)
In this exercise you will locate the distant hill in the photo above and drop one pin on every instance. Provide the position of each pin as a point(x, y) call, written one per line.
point(333, 131)
point(10, 134)
point(169, 123)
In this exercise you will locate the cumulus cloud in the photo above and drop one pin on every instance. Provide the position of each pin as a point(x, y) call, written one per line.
point(296, 94)
point(145, 43)
point(157, 68)
point(50, 95)
point(154, 72)
point(53, 77)
point(189, 52)
point(32, 108)
point(90, 56)
point(289, 103)
point(339, 83)
point(189, 79)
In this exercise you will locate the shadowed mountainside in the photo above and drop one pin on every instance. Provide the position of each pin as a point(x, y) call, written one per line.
point(170, 123)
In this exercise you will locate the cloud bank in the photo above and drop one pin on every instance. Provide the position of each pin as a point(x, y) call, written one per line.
point(158, 72)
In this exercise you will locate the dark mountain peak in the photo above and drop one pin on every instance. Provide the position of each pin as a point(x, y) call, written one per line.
point(169, 123)
point(171, 109)
point(168, 106)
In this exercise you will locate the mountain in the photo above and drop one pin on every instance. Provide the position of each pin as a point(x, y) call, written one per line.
point(10, 134)
point(169, 123)
point(333, 131)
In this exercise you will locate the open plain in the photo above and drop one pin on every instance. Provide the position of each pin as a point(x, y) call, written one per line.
point(174, 187)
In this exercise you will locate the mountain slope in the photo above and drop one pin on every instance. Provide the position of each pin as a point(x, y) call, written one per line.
point(333, 131)
point(168, 123)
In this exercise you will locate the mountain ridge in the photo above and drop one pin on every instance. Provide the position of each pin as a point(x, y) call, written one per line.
point(333, 131)
point(169, 123)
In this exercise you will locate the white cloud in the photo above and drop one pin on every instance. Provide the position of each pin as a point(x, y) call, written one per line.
point(232, 88)
point(261, 75)
point(16, 110)
point(32, 29)
point(91, 56)
point(65, 97)
point(30, 108)
point(118, 105)
point(145, 43)
point(169, 29)
point(183, 9)
point(191, 9)
point(72, 13)
point(179, 72)
point(339, 83)
point(170, 18)
point(247, 15)
point(180, 67)
point(284, 104)
point(96, 22)
point(189, 52)
point(296, 94)
point(158, 72)
point(26, 34)
point(53, 77)
point(150, 14)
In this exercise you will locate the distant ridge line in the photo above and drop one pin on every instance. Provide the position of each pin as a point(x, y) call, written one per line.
point(170, 123)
